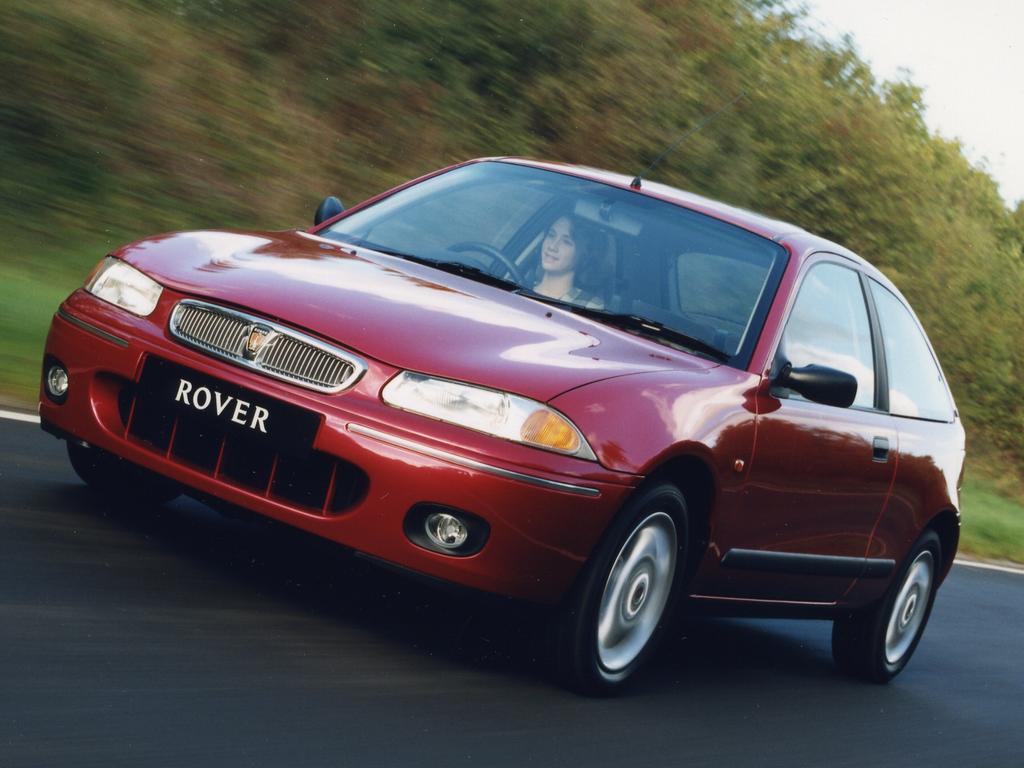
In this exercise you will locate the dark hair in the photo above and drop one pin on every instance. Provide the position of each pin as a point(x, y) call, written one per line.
point(586, 237)
point(589, 242)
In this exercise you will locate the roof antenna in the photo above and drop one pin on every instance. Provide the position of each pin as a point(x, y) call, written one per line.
point(635, 183)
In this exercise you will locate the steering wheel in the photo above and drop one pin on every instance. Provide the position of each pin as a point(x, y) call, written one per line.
point(494, 253)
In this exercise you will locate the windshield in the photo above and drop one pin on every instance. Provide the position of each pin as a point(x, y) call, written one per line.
point(614, 253)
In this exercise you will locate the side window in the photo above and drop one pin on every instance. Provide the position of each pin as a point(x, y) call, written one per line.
point(829, 326)
point(916, 387)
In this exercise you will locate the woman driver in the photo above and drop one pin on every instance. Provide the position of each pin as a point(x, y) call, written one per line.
point(567, 247)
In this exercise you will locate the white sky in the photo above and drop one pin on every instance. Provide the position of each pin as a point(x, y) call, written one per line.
point(967, 55)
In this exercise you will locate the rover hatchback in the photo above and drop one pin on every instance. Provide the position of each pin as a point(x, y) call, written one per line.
point(544, 381)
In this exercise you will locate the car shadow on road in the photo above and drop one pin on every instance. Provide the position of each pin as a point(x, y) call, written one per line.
point(263, 558)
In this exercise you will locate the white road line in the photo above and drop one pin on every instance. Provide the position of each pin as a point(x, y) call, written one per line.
point(31, 418)
point(991, 566)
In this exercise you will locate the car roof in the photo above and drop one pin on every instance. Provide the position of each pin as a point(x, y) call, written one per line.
point(800, 242)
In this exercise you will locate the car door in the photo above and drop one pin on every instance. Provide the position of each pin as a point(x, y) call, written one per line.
point(820, 474)
point(931, 437)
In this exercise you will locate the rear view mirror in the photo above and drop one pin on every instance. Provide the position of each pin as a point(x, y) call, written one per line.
point(819, 384)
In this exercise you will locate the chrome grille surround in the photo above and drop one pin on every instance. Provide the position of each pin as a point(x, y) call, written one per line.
point(264, 346)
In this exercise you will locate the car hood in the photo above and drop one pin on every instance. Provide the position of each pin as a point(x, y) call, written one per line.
point(401, 313)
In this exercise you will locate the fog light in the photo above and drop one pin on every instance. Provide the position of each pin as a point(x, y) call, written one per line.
point(446, 530)
point(57, 381)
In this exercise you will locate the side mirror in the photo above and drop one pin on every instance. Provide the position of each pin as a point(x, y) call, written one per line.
point(819, 384)
point(330, 207)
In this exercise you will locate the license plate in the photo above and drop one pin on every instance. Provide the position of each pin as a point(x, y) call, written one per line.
point(227, 408)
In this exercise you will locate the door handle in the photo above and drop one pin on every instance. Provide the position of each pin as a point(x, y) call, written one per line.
point(880, 450)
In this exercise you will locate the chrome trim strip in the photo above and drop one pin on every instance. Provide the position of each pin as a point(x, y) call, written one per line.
point(359, 367)
point(63, 315)
point(764, 601)
point(437, 453)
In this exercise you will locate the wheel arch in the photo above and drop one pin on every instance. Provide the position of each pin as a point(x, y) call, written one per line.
point(695, 479)
point(946, 524)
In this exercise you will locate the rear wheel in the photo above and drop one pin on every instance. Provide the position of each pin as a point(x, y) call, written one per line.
point(615, 616)
point(117, 479)
point(876, 643)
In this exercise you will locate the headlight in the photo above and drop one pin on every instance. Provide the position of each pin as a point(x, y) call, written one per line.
point(486, 410)
point(124, 286)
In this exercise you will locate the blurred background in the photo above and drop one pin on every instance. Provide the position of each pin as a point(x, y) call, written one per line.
point(119, 120)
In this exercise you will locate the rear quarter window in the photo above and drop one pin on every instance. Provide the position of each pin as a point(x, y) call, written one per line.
point(916, 386)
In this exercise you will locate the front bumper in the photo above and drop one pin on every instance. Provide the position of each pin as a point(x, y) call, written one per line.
point(545, 511)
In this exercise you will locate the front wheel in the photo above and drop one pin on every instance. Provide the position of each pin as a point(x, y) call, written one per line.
point(616, 613)
point(876, 643)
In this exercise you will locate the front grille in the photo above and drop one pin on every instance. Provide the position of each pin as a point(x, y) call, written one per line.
point(313, 482)
point(297, 360)
point(264, 346)
point(211, 329)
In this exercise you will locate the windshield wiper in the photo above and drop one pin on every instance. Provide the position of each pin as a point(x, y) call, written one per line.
point(636, 323)
point(455, 268)
point(466, 270)
point(661, 331)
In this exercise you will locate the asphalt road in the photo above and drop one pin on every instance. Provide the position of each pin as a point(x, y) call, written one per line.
point(175, 637)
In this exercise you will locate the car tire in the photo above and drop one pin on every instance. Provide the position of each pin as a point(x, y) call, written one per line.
point(876, 643)
point(119, 480)
point(615, 615)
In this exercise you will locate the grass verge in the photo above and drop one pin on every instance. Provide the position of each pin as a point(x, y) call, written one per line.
point(35, 277)
point(992, 523)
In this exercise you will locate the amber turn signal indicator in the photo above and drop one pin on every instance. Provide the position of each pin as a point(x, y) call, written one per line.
point(550, 430)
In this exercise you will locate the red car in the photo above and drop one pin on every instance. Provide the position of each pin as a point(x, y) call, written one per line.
point(544, 381)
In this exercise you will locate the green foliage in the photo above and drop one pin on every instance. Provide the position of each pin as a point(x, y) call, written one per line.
point(992, 525)
point(123, 119)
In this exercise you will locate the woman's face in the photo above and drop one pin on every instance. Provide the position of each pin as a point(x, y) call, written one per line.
point(558, 253)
